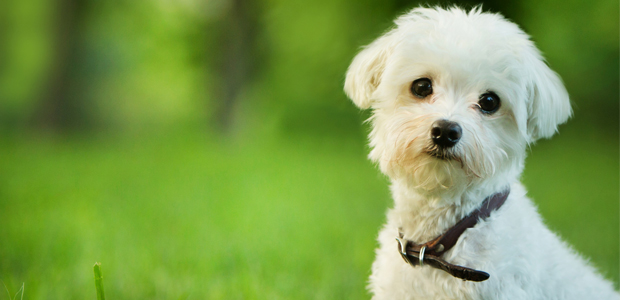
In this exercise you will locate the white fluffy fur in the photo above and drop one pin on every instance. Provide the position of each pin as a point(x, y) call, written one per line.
point(465, 54)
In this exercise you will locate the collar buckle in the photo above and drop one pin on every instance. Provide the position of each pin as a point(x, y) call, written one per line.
point(402, 249)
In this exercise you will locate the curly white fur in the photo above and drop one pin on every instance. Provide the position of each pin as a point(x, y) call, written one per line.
point(465, 54)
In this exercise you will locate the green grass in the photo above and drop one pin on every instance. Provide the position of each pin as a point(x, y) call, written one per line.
point(19, 292)
point(185, 216)
point(99, 281)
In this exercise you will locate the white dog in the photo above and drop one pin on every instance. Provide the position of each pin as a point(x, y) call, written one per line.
point(457, 97)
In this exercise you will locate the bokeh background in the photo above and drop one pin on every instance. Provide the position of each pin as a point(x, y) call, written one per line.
point(204, 149)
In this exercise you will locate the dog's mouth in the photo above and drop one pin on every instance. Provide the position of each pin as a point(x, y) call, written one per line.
point(442, 154)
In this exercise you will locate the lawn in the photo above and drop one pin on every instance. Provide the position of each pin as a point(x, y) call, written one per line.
point(184, 215)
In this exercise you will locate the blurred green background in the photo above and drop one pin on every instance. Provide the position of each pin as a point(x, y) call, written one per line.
point(204, 149)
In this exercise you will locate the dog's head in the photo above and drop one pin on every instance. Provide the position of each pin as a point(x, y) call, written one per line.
point(456, 97)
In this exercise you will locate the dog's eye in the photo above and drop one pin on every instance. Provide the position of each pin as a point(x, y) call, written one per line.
point(489, 102)
point(422, 87)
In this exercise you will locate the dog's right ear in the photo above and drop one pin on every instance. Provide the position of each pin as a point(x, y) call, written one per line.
point(365, 72)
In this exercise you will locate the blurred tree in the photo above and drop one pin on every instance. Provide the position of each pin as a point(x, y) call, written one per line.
point(236, 57)
point(59, 109)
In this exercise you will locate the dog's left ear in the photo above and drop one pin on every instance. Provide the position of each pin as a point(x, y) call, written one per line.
point(548, 105)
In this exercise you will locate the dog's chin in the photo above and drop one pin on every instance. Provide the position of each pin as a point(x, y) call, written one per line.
point(431, 171)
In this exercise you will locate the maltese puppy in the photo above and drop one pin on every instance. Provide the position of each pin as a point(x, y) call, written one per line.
point(457, 97)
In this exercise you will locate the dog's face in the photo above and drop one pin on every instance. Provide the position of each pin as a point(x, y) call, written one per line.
point(456, 98)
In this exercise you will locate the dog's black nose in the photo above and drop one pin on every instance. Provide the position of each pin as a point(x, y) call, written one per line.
point(445, 133)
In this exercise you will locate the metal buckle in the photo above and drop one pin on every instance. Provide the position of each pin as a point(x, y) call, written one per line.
point(421, 258)
point(402, 249)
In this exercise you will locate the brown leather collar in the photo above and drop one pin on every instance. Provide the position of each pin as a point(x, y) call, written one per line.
point(430, 252)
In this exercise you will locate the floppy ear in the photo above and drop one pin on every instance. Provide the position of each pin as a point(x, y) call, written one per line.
point(548, 104)
point(365, 72)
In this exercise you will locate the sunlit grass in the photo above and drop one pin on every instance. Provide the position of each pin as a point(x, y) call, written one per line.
point(183, 215)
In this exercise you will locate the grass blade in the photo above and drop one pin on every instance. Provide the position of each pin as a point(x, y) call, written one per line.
point(99, 282)
point(20, 290)
point(7, 290)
